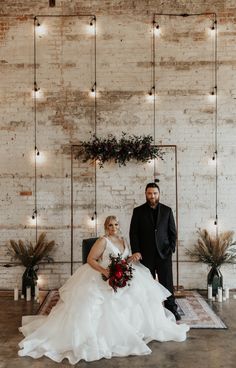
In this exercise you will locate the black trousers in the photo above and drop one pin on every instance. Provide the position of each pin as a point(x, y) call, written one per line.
point(163, 269)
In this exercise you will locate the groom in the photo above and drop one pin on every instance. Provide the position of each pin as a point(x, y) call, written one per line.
point(153, 240)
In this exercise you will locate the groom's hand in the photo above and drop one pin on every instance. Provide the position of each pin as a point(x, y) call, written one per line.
point(135, 257)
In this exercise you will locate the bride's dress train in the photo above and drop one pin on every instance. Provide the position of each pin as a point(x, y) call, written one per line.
point(91, 321)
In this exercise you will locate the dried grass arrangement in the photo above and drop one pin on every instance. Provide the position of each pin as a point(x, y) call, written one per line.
point(214, 250)
point(31, 255)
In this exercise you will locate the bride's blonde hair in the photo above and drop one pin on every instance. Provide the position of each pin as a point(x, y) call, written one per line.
point(107, 221)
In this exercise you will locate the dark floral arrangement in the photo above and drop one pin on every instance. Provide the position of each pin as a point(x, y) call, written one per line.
point(139, 148)
point(120, 272)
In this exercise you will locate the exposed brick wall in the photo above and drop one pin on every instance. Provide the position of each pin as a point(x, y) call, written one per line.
point(184, 116)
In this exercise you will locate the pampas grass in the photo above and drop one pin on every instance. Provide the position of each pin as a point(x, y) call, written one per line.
point(28, 254)
point(214, 250)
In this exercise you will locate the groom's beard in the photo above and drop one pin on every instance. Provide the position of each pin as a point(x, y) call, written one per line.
point(153, 202)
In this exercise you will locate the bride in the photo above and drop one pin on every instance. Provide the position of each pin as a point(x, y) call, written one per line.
point(91, 321)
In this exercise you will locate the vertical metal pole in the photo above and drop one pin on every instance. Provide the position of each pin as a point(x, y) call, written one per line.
point(35, 139)
point(216, 130)
point(177, 219)
point(95, 125)
point(72, 213)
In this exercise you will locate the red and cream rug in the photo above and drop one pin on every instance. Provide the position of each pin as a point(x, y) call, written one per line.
point(193, 309)
point(197, 313)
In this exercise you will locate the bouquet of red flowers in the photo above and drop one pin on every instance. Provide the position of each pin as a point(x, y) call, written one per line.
point(120, 272)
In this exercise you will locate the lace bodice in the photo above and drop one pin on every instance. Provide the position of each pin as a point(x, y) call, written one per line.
point(114, 250)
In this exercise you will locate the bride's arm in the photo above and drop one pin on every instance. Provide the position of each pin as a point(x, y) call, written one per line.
point(95, 253)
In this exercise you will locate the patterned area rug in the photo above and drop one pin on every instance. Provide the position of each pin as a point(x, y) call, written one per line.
point(196, 313)
point(193, 309)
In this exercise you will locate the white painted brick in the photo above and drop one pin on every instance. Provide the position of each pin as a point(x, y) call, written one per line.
point(184, 116)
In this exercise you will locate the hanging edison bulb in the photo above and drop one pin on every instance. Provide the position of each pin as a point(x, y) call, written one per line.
point(91, 28)
point(151, 94)
point(93, 91)
point(156, 28)
point(40, 28)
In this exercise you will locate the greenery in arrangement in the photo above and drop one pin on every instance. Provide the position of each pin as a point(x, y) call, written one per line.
point(139, 148)
point(31, 255)
point(214, 250)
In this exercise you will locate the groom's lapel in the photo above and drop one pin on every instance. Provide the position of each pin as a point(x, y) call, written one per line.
point(159, 214)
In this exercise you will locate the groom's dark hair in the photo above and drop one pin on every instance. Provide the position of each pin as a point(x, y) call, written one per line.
point(152, 185)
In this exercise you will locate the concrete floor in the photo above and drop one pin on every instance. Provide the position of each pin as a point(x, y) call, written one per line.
point(204, 348)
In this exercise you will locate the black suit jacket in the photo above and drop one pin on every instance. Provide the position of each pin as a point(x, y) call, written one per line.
point(146, 236)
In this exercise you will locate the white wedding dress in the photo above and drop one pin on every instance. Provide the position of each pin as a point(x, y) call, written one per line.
point(91, 321)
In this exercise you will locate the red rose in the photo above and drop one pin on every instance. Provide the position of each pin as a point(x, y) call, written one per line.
point(118, 267)
point(118, 274)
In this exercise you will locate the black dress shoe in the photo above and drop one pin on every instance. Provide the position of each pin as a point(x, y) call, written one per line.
point(173, 309)
point(176, 314)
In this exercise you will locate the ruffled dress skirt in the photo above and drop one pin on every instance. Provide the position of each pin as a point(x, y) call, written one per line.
point(91, 321)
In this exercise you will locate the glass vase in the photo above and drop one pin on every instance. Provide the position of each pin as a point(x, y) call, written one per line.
point(29, 279)
point(215, 278)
